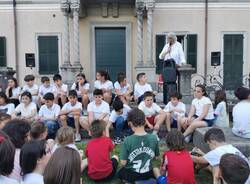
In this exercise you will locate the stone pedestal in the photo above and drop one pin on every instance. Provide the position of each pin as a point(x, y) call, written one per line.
point(186, 71)
point(150, 73)
point(69, 74)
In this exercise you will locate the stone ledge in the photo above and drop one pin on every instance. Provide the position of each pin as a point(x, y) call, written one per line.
point(242, 144)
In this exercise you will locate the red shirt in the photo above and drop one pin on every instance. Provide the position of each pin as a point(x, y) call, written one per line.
point(98, 153)
point(180, 167)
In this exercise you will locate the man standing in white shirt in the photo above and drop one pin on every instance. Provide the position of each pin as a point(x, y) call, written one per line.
point(173, 50)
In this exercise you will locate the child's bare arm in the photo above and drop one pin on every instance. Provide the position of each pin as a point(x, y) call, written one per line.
point(124, 162)
point(199, 160)
point(103, 115)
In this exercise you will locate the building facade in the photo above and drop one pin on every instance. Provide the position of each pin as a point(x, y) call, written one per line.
point(69, 36)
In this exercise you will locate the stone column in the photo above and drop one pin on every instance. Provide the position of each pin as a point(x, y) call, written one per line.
point(75, 6)
point(139, 13)
point(186, 72)
point(65, 7)
point(149, 61)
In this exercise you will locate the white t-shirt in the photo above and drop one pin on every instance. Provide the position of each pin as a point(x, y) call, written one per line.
point(49, 113)
point(33, 178)
point(106, 85)
point(241, 119)
point(15, 92)
point(123, 89)
point(33, 89)
point(139, 90)
point(199, 105)
point(176, 53)
point(7, 108)
point(124, 114)
point(149, 111)
point(62, 89)
point(98, 110)
point(68, 106)
point(7, 180)
point(213, 157)
point(26, 111)
point(56, 146)
point(84, 86)
point(170, 107)
point(222, 119)
point(44, 90)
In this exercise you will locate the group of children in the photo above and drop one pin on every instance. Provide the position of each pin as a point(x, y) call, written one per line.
point(78, 108)
point(26, 156)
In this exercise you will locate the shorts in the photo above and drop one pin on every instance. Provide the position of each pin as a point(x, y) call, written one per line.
point(161, 180)
point(112, 174)
point(151, 120)
point(71, 122)
point(174, 124)
point(210, 122)
point(132, 176)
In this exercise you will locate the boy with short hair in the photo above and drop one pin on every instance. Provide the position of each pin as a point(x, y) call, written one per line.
point(141, 87)
point(100, 167)
point(49, 113)
point(175, 109)
point(215, 139)
point(138, 150)
point(234, 169)
point(98, 109)
point(31, 87)
point(71, 112)
point(155, 116)
point(44, 88)
point(60, 90)
point(118, 119)
point(122, 88)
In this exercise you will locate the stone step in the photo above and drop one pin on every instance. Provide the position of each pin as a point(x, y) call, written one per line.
point(242, 144)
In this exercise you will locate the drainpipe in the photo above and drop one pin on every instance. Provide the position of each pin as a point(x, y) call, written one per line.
point(206, 36)
point(15, 39)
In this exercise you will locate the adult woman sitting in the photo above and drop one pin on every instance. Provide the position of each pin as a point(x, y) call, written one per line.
point(201, 113)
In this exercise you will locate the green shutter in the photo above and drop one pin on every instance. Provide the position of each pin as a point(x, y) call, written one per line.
point(2, 51)
point(192, 50)
point(160, 43)
point(48, 54)
point(233, 61)
point(110, 45)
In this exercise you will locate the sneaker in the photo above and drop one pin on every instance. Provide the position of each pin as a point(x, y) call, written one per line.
point(188, 138)
point(117, 140)
point(77, 137)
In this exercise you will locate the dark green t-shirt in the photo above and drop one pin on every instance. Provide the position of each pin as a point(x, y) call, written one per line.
point(139, 151)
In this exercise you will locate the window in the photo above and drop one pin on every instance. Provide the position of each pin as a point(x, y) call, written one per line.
point(48, 54)
point(190, 50)
point(2, 51)
point(233, 60)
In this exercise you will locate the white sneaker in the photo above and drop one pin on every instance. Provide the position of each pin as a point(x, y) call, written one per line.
point(77, 137)
point(188, 138)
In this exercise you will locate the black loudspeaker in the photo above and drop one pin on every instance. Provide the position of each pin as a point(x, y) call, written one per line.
point(30, 60)
point(215, 58)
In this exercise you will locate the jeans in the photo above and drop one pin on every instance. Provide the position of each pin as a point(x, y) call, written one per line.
point(122, 125)
point(53, 126)
point(119, 124)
